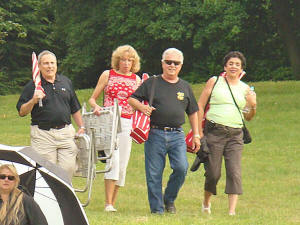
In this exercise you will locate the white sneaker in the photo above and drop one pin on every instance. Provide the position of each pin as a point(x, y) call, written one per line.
point(232, 214)
point(109, 208)
point(206, 209)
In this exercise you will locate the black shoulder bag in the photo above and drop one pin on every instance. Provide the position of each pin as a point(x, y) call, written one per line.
point(246, 137)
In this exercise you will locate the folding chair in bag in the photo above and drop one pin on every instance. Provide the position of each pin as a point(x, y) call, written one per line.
point(97, 144)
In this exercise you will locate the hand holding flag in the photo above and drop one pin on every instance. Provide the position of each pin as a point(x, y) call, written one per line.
point(36, 77)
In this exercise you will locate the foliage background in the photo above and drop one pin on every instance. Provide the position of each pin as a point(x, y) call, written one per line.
point(83, 35)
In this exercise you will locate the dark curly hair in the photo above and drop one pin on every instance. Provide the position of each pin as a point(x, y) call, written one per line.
point(235, 54)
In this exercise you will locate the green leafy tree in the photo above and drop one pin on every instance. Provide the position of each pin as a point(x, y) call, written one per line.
point(8, 26)
point(195, 27)
point(83, 35)
point(31, 22)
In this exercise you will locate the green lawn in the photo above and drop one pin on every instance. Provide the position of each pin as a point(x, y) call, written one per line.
point(271, 169)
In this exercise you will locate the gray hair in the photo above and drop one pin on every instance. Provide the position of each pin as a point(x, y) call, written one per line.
point(45, 52)
point(171, 50)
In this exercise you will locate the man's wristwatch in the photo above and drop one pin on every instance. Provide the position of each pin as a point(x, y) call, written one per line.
point(82, 127)
point(196, 136)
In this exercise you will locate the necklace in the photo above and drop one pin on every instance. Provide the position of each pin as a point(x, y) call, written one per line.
point(126, 74)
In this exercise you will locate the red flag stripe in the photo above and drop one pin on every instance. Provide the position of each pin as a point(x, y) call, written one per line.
point(36, 73)
point(223, 74)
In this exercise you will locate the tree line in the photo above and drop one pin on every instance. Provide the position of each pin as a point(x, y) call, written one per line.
point(83, 34)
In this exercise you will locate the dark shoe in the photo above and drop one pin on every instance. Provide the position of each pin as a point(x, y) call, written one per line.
point(196, 164)
point(157, 213)
point(102, 154)
point(170, 207)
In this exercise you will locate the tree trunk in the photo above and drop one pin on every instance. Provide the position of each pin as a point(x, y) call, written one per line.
point(282, 13)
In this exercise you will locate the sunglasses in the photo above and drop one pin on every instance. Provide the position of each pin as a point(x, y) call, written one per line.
point(169, 62)
point(3, 177)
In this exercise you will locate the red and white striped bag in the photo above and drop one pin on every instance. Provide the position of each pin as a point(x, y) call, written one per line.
point(140, 123)
point(140, 127)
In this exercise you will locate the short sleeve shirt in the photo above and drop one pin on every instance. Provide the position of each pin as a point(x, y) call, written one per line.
point(171, 100)
point(58, 105)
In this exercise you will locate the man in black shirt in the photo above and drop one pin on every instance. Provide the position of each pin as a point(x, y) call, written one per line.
point(173, 97)
point(52, 134)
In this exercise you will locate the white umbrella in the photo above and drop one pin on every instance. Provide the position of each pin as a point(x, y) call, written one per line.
point(47, 183)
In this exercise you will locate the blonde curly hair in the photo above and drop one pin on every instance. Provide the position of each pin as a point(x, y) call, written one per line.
point(119, 52)
point(15, 201)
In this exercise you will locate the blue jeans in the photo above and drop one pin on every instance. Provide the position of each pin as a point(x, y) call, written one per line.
point(159, 144)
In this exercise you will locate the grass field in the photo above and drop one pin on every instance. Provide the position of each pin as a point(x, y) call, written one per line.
point(271, 169)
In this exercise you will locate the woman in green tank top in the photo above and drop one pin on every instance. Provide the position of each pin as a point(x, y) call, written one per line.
point(223, 128)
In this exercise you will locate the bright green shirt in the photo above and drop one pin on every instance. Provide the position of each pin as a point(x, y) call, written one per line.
point(222, 108)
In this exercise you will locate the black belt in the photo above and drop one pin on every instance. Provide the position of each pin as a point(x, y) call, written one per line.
point(212, 124)
point(44, 127)
point(166, 128)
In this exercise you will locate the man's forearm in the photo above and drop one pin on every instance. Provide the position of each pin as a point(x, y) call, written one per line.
point(135, 104)
point(78, 119)
point(26, 108)
point(193, 118)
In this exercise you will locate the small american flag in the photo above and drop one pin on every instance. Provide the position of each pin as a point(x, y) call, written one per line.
point(36, 76)
point(243, 73)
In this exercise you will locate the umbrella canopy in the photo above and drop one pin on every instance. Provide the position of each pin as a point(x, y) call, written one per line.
point(47, 183)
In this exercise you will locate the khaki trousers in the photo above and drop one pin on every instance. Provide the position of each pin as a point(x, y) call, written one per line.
point(228, 142)
point(56, 145)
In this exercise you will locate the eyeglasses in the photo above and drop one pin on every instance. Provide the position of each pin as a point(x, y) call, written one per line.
point(127, 59)
point(169, 62)
point(3, 177)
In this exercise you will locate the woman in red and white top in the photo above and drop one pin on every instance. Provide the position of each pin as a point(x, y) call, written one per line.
point(119, 82)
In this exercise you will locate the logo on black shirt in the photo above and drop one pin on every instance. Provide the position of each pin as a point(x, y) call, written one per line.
point(180, 96)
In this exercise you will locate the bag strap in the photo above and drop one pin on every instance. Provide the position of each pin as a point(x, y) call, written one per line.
point(235, 101)
point(208, 100)
point(152, 90)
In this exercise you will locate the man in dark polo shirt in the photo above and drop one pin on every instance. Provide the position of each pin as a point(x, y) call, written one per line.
point(172, 99)
point(52, 133)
